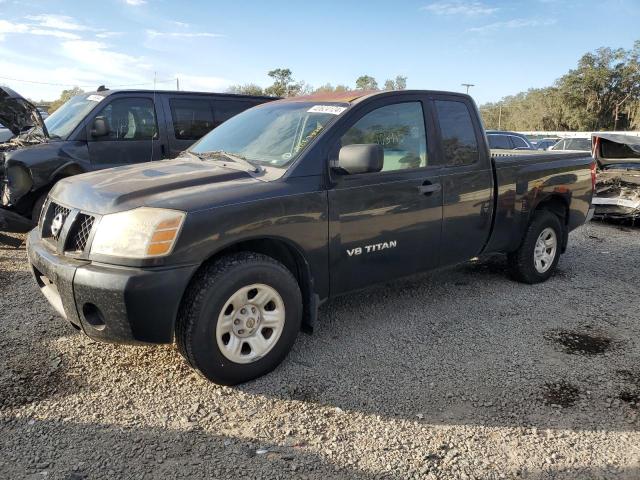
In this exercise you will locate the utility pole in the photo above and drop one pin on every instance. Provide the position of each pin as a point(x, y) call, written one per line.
point(467, 85)
point(177, 84)
point(500, 118)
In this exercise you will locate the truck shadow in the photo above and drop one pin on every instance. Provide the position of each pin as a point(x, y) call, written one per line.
point(442, 349)
point(93, 450)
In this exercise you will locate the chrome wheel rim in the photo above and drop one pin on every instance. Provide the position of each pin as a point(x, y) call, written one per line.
point(545, 251)
point(250, 323)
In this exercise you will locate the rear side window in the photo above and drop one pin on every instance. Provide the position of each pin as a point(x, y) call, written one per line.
point(225, 109)
point(458, 135)
point(192, 118)
point(499, 142)
point(399, 129)
point(519, 142)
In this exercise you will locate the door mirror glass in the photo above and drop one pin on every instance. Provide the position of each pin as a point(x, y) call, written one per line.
point(100, 127)
point(361, 158)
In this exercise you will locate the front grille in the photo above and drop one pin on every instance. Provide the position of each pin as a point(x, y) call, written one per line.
point(58, 214)
point(53, 223)
point(79, 235)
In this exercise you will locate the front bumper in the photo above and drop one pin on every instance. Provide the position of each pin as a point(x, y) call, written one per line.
point(14, 222)
point(110, 303)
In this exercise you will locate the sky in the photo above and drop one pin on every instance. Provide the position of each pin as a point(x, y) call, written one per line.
point(501, 47)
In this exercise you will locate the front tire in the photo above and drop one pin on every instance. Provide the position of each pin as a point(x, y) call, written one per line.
point(239, 318)
point(536, 259)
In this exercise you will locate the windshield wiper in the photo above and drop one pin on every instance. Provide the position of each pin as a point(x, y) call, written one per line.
point(228, 159)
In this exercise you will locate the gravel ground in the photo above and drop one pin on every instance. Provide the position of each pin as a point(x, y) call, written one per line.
point(456, 374)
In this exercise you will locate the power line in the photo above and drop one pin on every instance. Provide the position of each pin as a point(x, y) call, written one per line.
point(84, 86)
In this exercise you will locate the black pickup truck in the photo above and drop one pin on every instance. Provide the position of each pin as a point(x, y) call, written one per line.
point(230, 248)
point(97, 130)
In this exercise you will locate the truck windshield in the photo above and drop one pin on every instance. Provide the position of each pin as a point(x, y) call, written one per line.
point(272, 134)
point(62, 122)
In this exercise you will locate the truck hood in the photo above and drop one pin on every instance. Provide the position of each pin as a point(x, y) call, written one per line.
point(166, 183)
point(18, 114)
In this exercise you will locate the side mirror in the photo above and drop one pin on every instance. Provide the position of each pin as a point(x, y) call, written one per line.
point(360, 158)
point(100, 127)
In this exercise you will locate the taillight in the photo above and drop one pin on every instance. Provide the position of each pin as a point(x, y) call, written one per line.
point(593, 175)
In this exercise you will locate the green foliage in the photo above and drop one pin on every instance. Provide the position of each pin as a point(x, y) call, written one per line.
point(64, 97)
point(601, 93)
point(400, 83)
point(283, 84)
point(366, 82)
point(246, 89)
point(328, 88)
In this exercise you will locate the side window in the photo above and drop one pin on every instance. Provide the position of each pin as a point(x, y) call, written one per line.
point(500, 142)
point(458, 135)
point(519, 142)
point(399, 129)
point(130, 119)
point(223, 110)
point(192, 119)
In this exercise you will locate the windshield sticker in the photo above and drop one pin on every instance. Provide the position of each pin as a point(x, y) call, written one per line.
point(95, 98)
point(332, 109)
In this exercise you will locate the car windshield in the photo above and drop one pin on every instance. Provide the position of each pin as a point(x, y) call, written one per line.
point(582, 144)
point(272, 134)
point(62, 122)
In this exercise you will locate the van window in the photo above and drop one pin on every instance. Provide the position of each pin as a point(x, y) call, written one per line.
point(519, 142)
point(458, 135)
point(192, 118)
point(130, 119)
point(398, 129)
point(498, 141)
point(225, 109)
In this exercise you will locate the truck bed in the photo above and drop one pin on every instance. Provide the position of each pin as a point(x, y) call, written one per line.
point(522, 177)
point(519, 156)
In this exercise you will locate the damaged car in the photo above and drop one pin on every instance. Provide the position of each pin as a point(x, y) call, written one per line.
point(617, 192)
point(97, 130)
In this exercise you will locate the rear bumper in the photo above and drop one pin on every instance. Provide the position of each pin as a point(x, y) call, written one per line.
point(110, 303)
point(14, 222)
point(617, 207)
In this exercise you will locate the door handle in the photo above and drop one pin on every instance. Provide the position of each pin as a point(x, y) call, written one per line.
point(429, 188)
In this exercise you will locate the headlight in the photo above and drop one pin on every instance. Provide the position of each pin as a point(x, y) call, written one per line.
point(141, 233)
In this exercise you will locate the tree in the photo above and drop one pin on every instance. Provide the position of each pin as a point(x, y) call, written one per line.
point(601, 93)
point(283, 84)
point(246, 89)
point(64, 97)
point(366, 82)
point(400, 83)
point(328, 88)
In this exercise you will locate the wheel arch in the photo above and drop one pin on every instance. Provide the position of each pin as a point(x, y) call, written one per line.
point(559, 206)
point(285, 252)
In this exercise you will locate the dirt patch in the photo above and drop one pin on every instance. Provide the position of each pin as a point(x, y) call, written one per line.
point(580, 343)
point(562, 394)
point(630, 376)
point(632, 398)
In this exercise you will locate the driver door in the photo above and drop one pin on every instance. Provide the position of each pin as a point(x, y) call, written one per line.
point(132, 133)
point(386, 224)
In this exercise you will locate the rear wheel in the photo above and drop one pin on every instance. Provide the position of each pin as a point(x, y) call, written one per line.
point(537, 258)
point(239, 318)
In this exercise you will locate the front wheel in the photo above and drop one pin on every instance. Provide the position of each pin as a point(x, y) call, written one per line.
point(239, 318)
point(537, 258)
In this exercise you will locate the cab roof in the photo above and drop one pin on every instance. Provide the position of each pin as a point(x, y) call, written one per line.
point(355, 96)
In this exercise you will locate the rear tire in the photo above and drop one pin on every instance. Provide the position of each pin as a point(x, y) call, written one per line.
point(536, 259)
point(229, 347)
